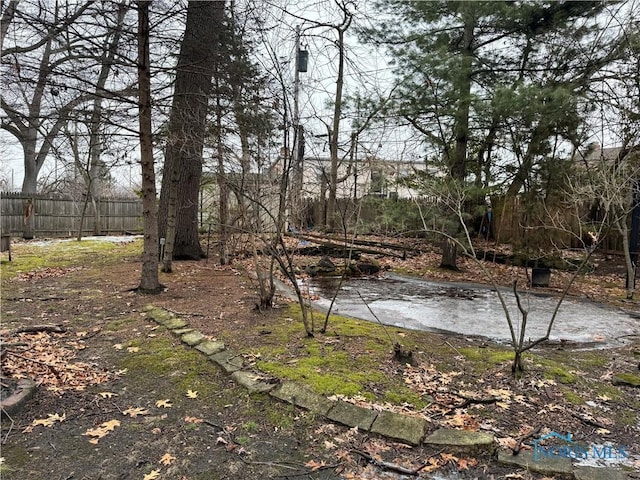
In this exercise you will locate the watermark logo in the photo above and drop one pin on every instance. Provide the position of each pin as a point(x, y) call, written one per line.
point(556, 445)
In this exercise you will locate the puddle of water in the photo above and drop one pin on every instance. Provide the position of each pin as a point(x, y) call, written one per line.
point(472, 310)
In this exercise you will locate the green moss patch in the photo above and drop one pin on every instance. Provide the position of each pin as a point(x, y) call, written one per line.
point(28, 257)
point(164, 357)
point(487, 356)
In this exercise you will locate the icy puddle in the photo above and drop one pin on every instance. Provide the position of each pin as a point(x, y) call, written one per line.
point(472, 310)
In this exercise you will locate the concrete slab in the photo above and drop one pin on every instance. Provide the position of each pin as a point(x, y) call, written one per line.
point(24, 390)
point(192, 338)
point(302, 397)
point(407, 429)
point(228, 360)
point(252, 381)
point(595, 473)
point(174, 323)
point(462, 440)
point(210, 347)
point(182, 331)
point(544, 465)
point(352, 415)
point(159, 315)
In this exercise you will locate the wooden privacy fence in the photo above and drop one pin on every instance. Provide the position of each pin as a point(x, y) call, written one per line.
point(59, 216)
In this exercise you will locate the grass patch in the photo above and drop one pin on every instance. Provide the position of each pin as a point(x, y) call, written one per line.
point(560, 374)
point(572, 397)
point(28, 257)
point(485, 358)
point(186, 368)
point(346, 360)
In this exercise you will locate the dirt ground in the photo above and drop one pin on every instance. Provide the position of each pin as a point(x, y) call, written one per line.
point(121, 398)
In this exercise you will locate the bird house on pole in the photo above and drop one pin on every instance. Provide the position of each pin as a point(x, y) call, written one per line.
point(303, 60)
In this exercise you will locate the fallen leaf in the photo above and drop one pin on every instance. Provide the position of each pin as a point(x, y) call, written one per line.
point(193, 419)
point(167, 459)
point(46, 422)
point(507, 442)
point(133, 349)
point(192, 394)
point(313, 465)
point(164, 403)
point(108, 394)
point(135, 411)
point(156, 431)
point(118, 346)
point(465, 463)
point(102, 430)
point(152, 475)
point(329, 445)
point(447, 457)
point(111, 424)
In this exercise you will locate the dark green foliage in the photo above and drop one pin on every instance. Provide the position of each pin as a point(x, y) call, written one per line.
point(389, 216)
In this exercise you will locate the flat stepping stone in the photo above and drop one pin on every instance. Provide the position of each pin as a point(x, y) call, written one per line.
point(159, 315)
point(192, 338)
point(407, 429)
point(352, 415)
point(462, 440)
point(210, 347)
point(24, 390)
point(252, 381)
point(182, 331)
point(301, 396)
point(228, 360)
point(174, 323)
point(595, 473)
point(626, 379)
point(552, 465)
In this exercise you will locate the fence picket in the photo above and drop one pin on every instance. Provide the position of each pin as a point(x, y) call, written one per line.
point(59, 216)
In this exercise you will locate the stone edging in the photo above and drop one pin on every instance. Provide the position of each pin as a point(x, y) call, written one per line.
point(14, 402)
point(403, 428)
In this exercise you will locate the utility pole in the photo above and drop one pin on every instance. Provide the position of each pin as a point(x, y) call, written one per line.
point(298, 137)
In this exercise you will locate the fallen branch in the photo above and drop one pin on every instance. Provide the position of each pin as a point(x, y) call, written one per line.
point(472, 400)
point(39, 328)
point(185, 314)
point(516, 450)
point(388, 465)
point(587, 421)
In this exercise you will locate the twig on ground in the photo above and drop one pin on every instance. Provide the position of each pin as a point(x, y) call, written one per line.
point(185, 314)
point(388, 465)
point(587, 421)
point(6, 414)
point(39, 328)
point(454, 348)
point(531, 434)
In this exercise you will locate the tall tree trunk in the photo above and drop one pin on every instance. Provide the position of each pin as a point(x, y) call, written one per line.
point(149, 281)
point(96, 169)
point(223, 186)
point(187, 123)
point(459, 164)
point(458, 167)
point(335, 132)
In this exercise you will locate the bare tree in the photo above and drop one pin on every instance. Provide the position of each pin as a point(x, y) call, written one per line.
point(149, 281)
point(452, 198)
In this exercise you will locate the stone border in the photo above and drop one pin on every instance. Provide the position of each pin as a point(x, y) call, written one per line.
point(23, 392)
point(403, 428)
